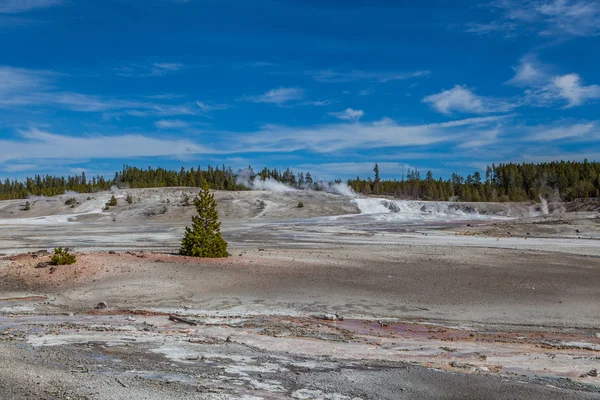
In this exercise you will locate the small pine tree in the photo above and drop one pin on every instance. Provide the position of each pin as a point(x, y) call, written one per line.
point(204, 239)
point(27, 206)
point(113, 201)
point(129, 199)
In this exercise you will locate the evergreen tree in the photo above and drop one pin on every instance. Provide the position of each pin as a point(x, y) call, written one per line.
point(204, 238)
point(376, 170)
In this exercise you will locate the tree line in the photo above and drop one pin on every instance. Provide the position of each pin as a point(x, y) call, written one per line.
point(564, 180)
point(217, 178)
point(503, 182)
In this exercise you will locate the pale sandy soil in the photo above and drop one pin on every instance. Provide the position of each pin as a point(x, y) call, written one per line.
point(438, 300)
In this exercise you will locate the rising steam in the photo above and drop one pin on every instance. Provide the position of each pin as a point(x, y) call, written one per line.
point(244, 178)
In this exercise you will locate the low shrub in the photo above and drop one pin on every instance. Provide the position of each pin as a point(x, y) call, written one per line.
point(62, 257)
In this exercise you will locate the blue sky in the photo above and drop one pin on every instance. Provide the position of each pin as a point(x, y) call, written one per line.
point(326, 86)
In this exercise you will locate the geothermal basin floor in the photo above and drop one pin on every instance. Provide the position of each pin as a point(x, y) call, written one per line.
point(323, 307)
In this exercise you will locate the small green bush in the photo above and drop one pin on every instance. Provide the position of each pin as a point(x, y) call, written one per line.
point(112, 202)
point(27, 206)
point(204, 238)
point(300, 204)
point(71, 202)
point(129, 199)
point(62, 257)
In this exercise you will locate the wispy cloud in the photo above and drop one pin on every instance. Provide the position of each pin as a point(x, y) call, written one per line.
point(207, 108)
point(165, 96)
point(343, 136)
point(332, 76)
point(18, 80)
point(23, 87)
point(19, 6)
point(544, 17)
point(507, 29)
point(546, 89)
point(148, 69)
point(38, 144)
point(318, 103)
point(462, 99)
point(572, 89)
point(278, 96)
point(529, 72)
point(481, 139)
point(348, 114)
point(171, 124)
point(563, 88)
point(580, 131)
point(160, 69)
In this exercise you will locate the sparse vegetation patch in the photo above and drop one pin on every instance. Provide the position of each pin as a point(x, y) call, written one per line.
point(62, 257)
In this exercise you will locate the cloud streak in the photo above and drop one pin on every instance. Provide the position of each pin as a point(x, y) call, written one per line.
point(171, 124)
point(555, 18)
point(348, 114)
point(38, 144)
point(23, 88)
point(278, 96)
point(20, 6)
point(332, 76)
point(359, 136)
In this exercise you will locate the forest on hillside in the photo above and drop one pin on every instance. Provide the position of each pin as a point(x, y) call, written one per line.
point(562, 180)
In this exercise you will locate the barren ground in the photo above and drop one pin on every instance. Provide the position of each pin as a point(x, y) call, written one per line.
point(339, 299)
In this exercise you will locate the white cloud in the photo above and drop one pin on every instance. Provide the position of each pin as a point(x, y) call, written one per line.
point(462, 99)
point(19, 6)
point(148, 69)
point(18, 167)
point(570, 87)
point(160, 69)
point(549, 90)
point(37, 144)
point(575, 131)
point(207, 108)
point(481, 139)
point(23, 87)
point(171, 124)
point(318, 103)
point(18, 80)
point(529, 72)
point(344, 136)
point(563, 88)
point(348, 114)
point(544, 17)
point(506, 28)
point(278, 96)
point(165, 96)
point(331, 76)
